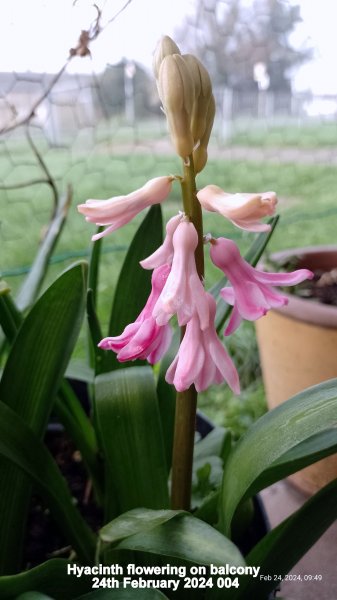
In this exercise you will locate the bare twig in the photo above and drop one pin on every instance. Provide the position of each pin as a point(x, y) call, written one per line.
point(18, 122)
point(49, 178)
point(23, 184)
point(117, 14)
point(81, 49)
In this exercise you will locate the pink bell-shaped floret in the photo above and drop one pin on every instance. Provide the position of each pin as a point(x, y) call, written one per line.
point(120, 210)
point(243, 210)
point(251, 292)
point(183, 293)
point(202, 360)
point(144, 338)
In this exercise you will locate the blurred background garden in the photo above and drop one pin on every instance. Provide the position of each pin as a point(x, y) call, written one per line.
point(87, 123)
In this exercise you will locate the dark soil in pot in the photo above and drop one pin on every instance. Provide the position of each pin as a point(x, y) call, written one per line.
point(322, 261)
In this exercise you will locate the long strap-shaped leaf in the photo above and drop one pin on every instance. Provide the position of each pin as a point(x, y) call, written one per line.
point(32, 375)
point(49, 578)
point(68, 407)
point(186, 538)
point(306, 414)
point(298, 457)
point(280, 550)
point(22, 448)
point(52, 578)
point(35, 277)
point(130, 428)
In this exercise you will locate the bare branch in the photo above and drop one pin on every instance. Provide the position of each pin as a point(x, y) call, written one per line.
point(117, 14)
point(18, 122)
point(23, 184)
point(49, 178)
point(81, 49)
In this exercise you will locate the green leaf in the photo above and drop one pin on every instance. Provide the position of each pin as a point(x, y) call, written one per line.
point(30, 380)
point(99, 358)
point(130, 432)
point(275, 433)
point(166, 394)
point(260, 243)
point(282, 548)
point(35, 277)
point(79, 369)
point(20, 446)
point(94, 264)
point(212, 444)
point(134, 283)
point(300, 456)
point(10, 318)
point(135, 521)
point(50, 578)
point(77, 424)
point(185, 537)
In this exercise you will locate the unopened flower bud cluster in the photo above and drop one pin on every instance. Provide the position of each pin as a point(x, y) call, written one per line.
point(185, 90)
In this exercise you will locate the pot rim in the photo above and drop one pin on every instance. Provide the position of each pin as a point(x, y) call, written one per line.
point(304, 309)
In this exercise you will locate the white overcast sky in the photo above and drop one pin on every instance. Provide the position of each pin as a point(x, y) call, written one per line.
point(37, 34)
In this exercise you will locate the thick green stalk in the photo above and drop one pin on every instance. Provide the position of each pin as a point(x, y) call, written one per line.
point(186, 405)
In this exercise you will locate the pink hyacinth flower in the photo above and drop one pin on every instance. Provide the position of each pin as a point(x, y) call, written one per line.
point(120, 210)
point(243, 210)
point(251, 292)
point(143, 339)
point(183, 293)
point(202, 360)
point(164, 254)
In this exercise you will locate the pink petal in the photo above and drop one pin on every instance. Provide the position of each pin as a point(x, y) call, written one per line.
point(234, 321)
point(228, 295)
point(225, 365)
point(243, 210)
point(253, 226)
point(164, 254)
point(284, 278)
point(163, 344)
point(119, 210)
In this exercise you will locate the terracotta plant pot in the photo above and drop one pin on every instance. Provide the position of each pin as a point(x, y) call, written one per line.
point(298, 349)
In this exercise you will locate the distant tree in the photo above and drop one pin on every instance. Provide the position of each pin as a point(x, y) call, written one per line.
point(232, 36)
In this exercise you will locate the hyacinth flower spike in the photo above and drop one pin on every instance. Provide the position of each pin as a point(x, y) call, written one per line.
point(202, 360)
point(243, 210)
point(251, 293)
point(183, 293)
point(143, 339)
point(120, 210)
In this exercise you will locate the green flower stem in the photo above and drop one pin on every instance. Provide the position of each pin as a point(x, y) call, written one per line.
point(186, 405)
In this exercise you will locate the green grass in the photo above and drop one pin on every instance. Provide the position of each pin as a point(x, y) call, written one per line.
point(299, 135)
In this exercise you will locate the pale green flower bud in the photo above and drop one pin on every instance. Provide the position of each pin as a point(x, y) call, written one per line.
point(200, 153)
point(203, 93)
point(165, 47)
point(176, 91)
